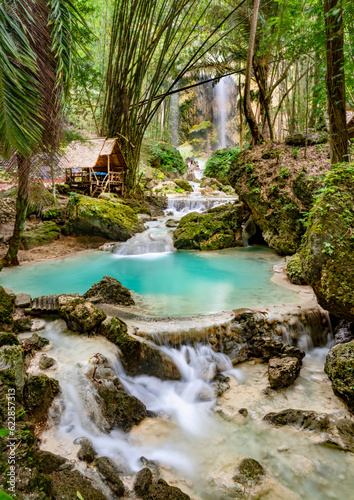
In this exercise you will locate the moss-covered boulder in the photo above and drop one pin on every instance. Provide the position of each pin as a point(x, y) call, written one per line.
point(39, 197)
point(340, 369)
point(96, 217)
point(294, 270)
point(279, 186)
point(6, 310)
point(183, 184)
point(39, 234)
point(80, 315)
point(217, 228)
point(38, 394)
point(109, 291)
point(8, 338)
point(139, 356)
point(11, 366)
point(327, 253)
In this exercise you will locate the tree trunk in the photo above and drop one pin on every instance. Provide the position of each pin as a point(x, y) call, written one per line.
point(251, 120)
point(11, 258)
point(335, 81)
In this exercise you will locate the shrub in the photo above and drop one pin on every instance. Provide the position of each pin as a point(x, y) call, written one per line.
point(219, 163)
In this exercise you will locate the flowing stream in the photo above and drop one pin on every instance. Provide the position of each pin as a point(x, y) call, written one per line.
point(196, 439)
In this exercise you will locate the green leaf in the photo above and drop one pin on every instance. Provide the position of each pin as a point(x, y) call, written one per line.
point(79, 496)
point(4, 432)
point(5, 496)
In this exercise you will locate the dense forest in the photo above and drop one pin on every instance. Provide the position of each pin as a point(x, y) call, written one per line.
point(177, 183)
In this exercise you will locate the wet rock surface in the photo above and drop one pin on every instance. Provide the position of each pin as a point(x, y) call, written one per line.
point(266, 348)
point(6, 310)
point(282, 372)
point(340, 370)
point(46, 362)
point(109, 472)
point(119, 408)
point(86, 451)
point(343, 332)
point(38, 393)
point(217, 228)
point(80, 315)
point(109, 291)
point(39, 234)
point(149, 489)
point(139, 356)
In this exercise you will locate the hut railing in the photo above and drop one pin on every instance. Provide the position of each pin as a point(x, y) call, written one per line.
point(77, 177)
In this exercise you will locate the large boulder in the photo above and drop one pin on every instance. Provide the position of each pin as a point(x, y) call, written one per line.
point(279, 188)
point(327, 253)
point(119, 408)
point(39, 235)
point(38, 394)
point(109, 472)
point(139, 356)
point(340, 369)
point(282, 372)
point(183, 184)
point(303, 140)
point(266, 348)
point(11, 367)
point(80, 315)
point(302, 419)
point(6, 310)
point(109, 291)
point(92, 217)
point(217, 228)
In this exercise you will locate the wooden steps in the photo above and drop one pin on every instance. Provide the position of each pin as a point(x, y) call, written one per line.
point(46, 304)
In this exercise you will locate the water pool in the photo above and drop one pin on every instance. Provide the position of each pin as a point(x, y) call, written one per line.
point(175, 283)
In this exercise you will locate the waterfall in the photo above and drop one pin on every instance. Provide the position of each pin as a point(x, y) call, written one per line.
point(182, 206)
point(221, 96)
point(175, 120)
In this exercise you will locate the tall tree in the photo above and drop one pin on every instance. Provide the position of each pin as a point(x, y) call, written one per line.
point(36, 40)
point(250, 117)
point(335, 81)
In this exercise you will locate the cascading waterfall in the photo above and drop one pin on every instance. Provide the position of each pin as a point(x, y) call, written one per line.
point(183, 206)
point(175, 120)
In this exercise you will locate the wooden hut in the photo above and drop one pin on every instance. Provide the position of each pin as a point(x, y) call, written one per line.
point(95, 166)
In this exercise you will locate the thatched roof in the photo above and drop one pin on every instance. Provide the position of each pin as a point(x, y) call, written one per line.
point(84, 154)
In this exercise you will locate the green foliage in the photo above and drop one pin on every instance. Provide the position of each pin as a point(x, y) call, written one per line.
point(166, 157)
point(5, 496)
point(4, 433)
point(219, 163)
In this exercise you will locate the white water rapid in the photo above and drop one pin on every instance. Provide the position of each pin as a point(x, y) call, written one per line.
point(196, 440)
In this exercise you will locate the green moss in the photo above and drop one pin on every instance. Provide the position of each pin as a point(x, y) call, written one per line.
point(214, 229)
point(184, 185)
point(6, 310)
point(294, 270)
point(97, 217)
point(8, 338)
point(39, 235)
point(219, 163)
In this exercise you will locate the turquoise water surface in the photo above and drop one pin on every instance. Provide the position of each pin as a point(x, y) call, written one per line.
point(175, 283)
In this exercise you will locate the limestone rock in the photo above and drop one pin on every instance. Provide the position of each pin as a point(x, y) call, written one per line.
point(110, 474)
point(139, 356)
point(93, 217)
point(307, 420)
point(162, 491)
point(142, 482)
point(86, 451)
point(109, 291)
point(67, 483)
point(80, 315)
point(249, 472)
point(22, 324)
point(343, 332)
point(266, 348)
point(327, 253)
point(217, 228)
point(282, 372)
point(23, 300)
point(302, 140)
point(40, 234)
point(278, 191)
point(119, 408)
point(34, 343)
point(294, 270)
point(339, 367)
point(46, 362)
point(183, 184)
point(38, 394)
point(11, 366)
point(6, 310)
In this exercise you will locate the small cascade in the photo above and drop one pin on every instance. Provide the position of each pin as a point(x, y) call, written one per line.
point(175, 120)
point(182, 206)
point(155, 240)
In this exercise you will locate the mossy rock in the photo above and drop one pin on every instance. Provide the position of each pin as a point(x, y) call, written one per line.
point(339, 367)
point(6, 310)
point(38, 394)
point(39, 235)
point(181, 183)
point(80, 315)
point(217, 228)
point(327, 253)
point(109, 291)
point(67, 483)
point(8, 338)
point(279, 191)
point(39, 197)
point(53, 213)
point(96, 217)
point(294, 270)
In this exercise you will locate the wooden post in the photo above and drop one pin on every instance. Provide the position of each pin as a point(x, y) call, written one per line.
point(90, 181)
point(108, 172)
